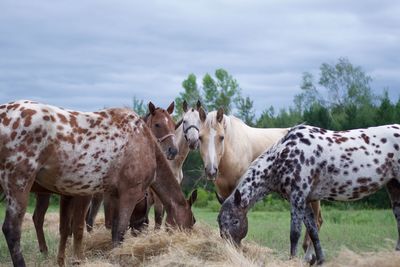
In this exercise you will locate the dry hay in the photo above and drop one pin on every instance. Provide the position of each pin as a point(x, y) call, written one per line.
point(200, 247)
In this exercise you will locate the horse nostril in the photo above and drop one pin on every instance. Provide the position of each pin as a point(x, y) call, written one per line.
point(173, 151)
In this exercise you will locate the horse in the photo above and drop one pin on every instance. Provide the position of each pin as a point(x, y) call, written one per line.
point(82, 153)
point(187, 136)
point(187, 133)
point(162, 126)
point(227, 148)
point(310, 164)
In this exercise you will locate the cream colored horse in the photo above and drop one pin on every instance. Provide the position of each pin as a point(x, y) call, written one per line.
point(228, 146)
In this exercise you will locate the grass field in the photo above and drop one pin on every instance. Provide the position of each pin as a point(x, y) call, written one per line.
point(357, 230)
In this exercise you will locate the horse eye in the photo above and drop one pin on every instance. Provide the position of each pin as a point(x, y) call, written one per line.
point(184, 122)
point(200, 138)
point(221, 138)
point(157, 125)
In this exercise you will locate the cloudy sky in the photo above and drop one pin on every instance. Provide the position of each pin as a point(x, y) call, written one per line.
point(92, 54)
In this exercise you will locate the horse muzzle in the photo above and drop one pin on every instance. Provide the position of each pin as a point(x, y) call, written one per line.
point(211, 173)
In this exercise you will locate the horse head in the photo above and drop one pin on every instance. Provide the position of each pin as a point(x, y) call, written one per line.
point(163, 127)
point(232, 219)
point(191, 124)
point(212, 135)
point(183, 217)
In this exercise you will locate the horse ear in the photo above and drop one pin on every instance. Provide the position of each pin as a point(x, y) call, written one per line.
point(219, 198)
point(238, 198)
point(170, 108)
point(220, 114)
point(184, 106)
point(192, 197)
point(198, 105)
point(202, 114)
point(152, 108)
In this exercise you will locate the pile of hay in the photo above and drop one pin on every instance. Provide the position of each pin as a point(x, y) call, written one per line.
point(200, 247)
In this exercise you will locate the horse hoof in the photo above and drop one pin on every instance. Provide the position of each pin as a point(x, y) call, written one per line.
point(312, 260)
point(320, 261)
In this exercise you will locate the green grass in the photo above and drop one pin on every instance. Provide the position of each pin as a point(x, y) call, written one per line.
point(358, 230)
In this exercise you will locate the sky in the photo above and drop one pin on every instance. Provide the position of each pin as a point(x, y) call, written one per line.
point(91, 54)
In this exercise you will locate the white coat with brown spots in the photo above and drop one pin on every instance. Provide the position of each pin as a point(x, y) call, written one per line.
point(310, 164)
point(80, 153)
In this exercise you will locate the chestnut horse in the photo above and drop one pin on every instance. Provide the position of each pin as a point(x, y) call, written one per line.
point(228, 146)
point(187, 135)
point(82, 153)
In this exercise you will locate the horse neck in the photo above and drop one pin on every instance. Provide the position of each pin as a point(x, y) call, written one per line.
point(165, 184)
point(177, 163)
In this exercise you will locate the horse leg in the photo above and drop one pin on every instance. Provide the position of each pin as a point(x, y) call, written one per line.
point(297, 214)
point(17, 201)
point(65, 227)
point(80, 206)
point(307, 244)
point(139, 218)
point(126, 204)
point(393, 188)
point(42, 204)
point(93, 210)
point(158, 212)
point(311, 226)
point(109, 210)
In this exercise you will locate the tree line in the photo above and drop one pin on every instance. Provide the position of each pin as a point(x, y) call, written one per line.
point(339, 98)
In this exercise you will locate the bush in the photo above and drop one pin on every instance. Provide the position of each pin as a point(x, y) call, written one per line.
point(202, 198)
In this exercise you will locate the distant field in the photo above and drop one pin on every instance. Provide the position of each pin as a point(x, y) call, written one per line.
point(357, 230)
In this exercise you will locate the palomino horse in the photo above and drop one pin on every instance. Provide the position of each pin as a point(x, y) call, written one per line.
point(310, 164)
point(228, 146)
point(82, 153)
point(187, 135)
point(77, 206)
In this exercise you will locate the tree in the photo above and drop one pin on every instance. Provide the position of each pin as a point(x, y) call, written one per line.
point(345, 84)
point(191, 94)
point(221, 91)
point(138, 106)
point(386, 113)
point(309, 95)
point(245, 110)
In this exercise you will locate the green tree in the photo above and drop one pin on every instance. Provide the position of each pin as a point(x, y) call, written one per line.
point(386, 113)
point(346, 84)
point(245, 110)
point(138, 106)
point(221, 91)
point(191, 94)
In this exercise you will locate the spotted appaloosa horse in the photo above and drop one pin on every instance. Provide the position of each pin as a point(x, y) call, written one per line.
point(310, 164)
point(228, 146)
point(81, 153)
point(74, 209)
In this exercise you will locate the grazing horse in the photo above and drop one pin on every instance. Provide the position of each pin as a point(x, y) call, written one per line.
point(311, 164)
point(187, 133)
point(228, 146)
point(82, 153)
point(162, 126)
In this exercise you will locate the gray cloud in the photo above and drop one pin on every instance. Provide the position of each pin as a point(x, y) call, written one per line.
point(91, 54)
